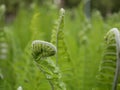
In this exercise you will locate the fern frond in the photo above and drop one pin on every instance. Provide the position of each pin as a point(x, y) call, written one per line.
point(63, 59)
point(57, 39)
point(110, 65)
point(5, 59)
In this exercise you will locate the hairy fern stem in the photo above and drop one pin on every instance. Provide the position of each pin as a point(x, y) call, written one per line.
point(50, 83)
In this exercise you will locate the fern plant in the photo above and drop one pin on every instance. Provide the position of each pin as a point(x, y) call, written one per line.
point(62, 55)
point(41, 50)
point(5, 63)
point(57, 38)
point(110, 65)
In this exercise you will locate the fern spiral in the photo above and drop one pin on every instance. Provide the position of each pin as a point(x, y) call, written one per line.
point(110, 65)
point(42, 49)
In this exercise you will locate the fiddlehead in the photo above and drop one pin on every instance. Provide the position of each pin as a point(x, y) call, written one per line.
point(110, 65)
point(41, 50)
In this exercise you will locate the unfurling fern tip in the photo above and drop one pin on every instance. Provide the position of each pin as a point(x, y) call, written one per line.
point(42, 49)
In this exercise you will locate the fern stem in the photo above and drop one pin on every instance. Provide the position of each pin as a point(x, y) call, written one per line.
point(60, 22)
point(52, 86)
point(50, 83)
point(117, 35)
point(57, 49)
point(57, 41)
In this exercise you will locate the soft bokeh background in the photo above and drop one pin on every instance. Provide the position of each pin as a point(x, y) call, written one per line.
point(86, 23)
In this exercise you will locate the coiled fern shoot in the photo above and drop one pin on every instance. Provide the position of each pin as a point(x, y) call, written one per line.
point(41, 52)
point(110, 65)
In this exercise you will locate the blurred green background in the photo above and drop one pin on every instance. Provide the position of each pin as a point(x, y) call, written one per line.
point(86, 23)
point(104, 6)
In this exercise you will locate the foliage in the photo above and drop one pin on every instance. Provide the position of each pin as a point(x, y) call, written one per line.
point(79, 48)
point(40, 51)
point(105, 6)
point(109, 69)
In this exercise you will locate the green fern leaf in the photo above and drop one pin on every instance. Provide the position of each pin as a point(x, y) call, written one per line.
point(110, 65)
point(58, 40)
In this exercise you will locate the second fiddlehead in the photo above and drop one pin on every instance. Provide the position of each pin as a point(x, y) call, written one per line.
point(110, 65)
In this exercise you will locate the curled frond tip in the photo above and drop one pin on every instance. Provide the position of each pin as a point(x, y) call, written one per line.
point(62, 11)
point(41, 49)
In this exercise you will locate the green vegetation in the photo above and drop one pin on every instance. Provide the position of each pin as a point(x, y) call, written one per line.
point(109, 69)
point(72, 61)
